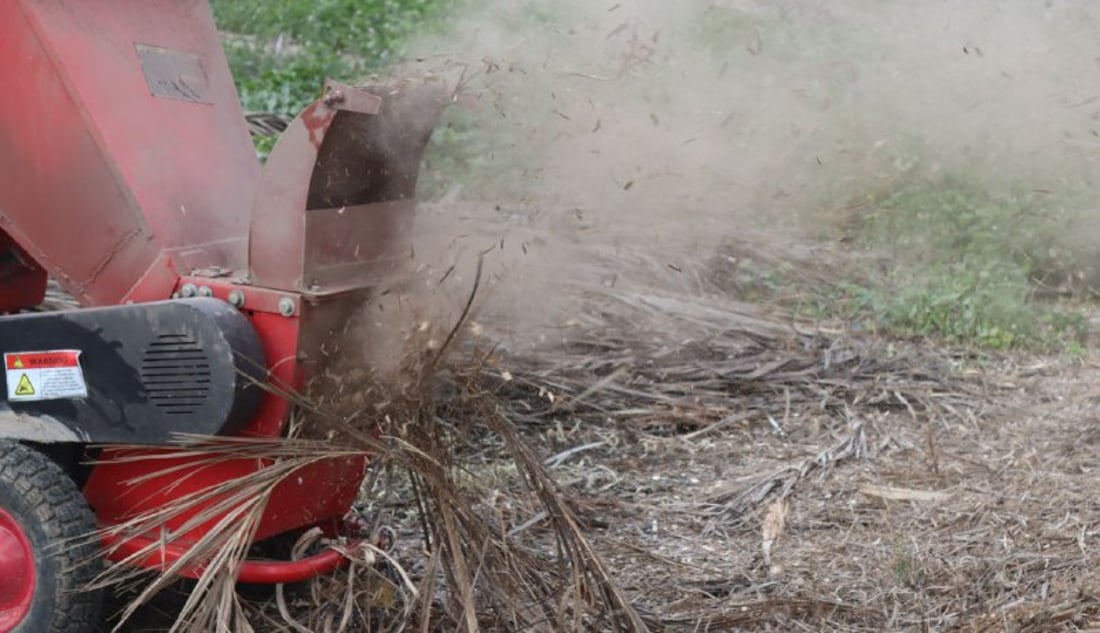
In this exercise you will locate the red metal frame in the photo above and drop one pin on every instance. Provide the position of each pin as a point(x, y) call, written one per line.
point(251, 571)
point(127, 174)
point(318, 493)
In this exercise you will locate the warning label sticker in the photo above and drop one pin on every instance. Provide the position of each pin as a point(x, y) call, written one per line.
point(51, 375)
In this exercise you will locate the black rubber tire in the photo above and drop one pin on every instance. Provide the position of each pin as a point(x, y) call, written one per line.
point(42, 498)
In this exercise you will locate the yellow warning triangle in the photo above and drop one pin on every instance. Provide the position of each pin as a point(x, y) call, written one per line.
point(18, 364)
point(24, 388)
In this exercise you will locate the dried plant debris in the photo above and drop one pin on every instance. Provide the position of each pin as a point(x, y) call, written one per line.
point(460, 563)
point(682, 461)
point(687, 364)
point(236, 507)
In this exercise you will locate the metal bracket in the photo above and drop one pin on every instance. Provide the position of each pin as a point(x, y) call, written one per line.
point(341, 96)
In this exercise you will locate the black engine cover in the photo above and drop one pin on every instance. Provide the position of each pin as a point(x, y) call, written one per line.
point(151, 370)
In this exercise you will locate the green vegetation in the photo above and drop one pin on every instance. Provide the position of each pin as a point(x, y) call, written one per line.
point(280, 51)
point(964, 265)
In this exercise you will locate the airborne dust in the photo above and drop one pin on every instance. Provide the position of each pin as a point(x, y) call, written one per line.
point(598, 145)
point(648, 132)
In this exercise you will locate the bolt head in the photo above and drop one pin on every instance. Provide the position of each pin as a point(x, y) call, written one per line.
point(286, 306)
point(205, 291)
point(236, 298)
point(188, 291)
point(333, 97)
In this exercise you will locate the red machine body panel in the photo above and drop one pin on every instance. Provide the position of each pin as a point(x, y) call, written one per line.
point(124, 155)
point(127, 174)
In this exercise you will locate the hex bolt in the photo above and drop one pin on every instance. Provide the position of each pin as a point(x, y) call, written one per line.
point(236, 298)
point(286, 306)
point(205, 291)
point(188, 291)
point(334, 97)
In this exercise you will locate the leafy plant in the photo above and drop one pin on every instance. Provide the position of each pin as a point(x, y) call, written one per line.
point(281, 51)
point(961, 265)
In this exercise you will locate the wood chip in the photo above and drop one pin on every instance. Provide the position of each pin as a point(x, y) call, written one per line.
point(902, 494)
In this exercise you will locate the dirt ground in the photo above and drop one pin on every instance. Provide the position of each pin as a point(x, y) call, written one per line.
point(740, 471)
point(744, 481)
point(884, 520)
point(986, 522)
point(977, 517)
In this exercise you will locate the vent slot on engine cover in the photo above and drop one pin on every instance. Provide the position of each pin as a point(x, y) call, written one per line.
point(176, 374)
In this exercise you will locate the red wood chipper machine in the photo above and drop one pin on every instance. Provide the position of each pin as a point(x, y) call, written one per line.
point(128, 176)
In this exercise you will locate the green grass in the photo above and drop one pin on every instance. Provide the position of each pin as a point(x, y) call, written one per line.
point(961, 264)
point(280, 51)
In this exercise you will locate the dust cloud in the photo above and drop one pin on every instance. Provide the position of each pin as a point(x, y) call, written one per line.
point(604, 141)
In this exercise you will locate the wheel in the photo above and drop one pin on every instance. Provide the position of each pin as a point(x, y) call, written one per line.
point(42, 569)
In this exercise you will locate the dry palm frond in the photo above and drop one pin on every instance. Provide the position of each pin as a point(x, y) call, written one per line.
point(734, 501)
point(476, 576)
point(591, 574)
point(683, 363)
point(235, 506)
point(487, 576)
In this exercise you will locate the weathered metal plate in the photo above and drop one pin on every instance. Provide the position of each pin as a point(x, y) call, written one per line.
point(173, 74)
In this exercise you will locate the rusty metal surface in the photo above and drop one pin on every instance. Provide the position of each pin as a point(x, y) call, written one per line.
point(173, 74)
point(337, 195)
point(124, 156)
point(275, 249)
point(356, 246)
